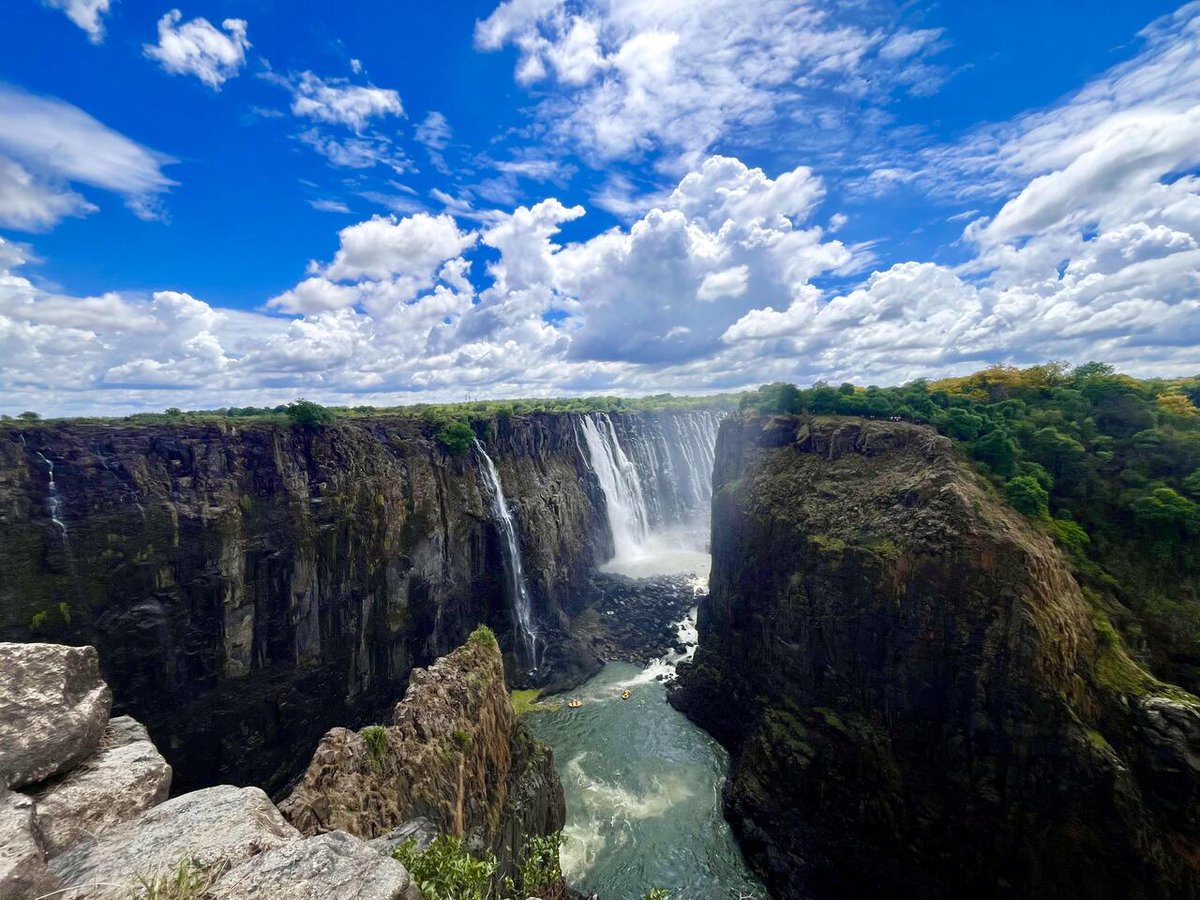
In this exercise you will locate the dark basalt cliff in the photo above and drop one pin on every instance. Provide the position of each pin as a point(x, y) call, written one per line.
point(919, 698)
point(249, 587)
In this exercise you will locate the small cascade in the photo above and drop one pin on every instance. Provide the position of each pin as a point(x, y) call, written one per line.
point(628, 517)
point(54, 500)
point(521, 603)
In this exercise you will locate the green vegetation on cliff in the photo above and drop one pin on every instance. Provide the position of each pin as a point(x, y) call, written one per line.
point(1109, 465)
point(446, 870)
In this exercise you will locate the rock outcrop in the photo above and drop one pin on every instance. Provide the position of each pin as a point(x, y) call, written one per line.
point(53, 710)
point(317, 868)
point(103, 827)
point(221, 825)
point(454, 755)
point(23, 871)
point(919, 699)
point(122, 779)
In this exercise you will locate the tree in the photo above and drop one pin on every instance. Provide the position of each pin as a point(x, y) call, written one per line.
point(1178, 405)
point(1191, 484)
point(456, 437)
point(1163, 511)
point(305, 412)
point(29, 416)
point(173, 412)
point(1025, 495)
point(961, 424)
point(998, 450)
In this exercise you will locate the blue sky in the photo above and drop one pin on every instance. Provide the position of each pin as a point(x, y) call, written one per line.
point(239, 203)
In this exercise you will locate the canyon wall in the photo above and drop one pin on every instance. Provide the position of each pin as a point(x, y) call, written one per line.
point(251, 584)
point(919, 699)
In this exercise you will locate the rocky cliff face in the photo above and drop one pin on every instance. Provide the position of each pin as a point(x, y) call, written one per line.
point(454, 755)
point(920, 700)
point(249, 587)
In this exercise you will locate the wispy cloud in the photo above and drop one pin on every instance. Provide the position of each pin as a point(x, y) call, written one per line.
point(51, 144)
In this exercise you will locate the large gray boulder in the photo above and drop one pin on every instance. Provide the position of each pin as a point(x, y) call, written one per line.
point(23, 872)
point(333, 866)
point(53, 709)
point(219, 827)
point(122, 779)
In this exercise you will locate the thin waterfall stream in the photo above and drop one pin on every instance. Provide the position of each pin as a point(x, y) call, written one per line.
point(518, 588)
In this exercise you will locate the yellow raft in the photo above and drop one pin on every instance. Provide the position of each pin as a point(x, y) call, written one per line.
point(574, 704)
point(625, 695)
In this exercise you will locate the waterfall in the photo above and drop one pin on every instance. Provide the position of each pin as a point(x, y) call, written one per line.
point(522, 607)
point(655, 470)
point(53, 500)
point(628, 517)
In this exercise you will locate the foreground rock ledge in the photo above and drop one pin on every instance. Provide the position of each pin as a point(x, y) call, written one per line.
point(316, 868)
point(53, 710)
point(222, 825)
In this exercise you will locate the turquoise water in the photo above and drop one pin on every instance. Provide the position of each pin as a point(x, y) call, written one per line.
point(643, 789)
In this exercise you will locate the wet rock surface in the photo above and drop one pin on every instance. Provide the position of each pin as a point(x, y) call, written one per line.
point(615, 617)
point(53, 709)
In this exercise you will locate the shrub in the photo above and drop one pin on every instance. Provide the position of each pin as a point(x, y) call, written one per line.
point(1026, 495)
point(455, 437)
point(305, 412)
point(483, 635)
point(375, 737)
point(540, 871)
point(29, 416)
point(445, 870)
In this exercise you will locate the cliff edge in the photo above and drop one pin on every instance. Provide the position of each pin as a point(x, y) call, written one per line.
point(919, 698)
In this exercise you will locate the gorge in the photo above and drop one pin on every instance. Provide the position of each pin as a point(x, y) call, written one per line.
point(918, 691)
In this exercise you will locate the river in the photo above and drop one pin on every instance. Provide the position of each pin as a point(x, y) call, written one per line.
point(643, 787)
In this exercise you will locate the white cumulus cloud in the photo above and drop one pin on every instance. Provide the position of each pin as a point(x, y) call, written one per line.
point(338, 102)
point(214, 55)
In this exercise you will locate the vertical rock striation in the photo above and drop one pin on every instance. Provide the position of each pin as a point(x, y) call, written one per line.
point(920, 700)
point(249, 587)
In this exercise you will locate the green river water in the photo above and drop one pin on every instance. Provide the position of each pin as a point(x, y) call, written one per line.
point(643, 788)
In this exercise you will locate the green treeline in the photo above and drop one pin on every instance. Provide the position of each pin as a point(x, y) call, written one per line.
point(1109, 465)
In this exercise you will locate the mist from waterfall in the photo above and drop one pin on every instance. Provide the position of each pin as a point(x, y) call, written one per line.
point(515, 570)
point(656, 474)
